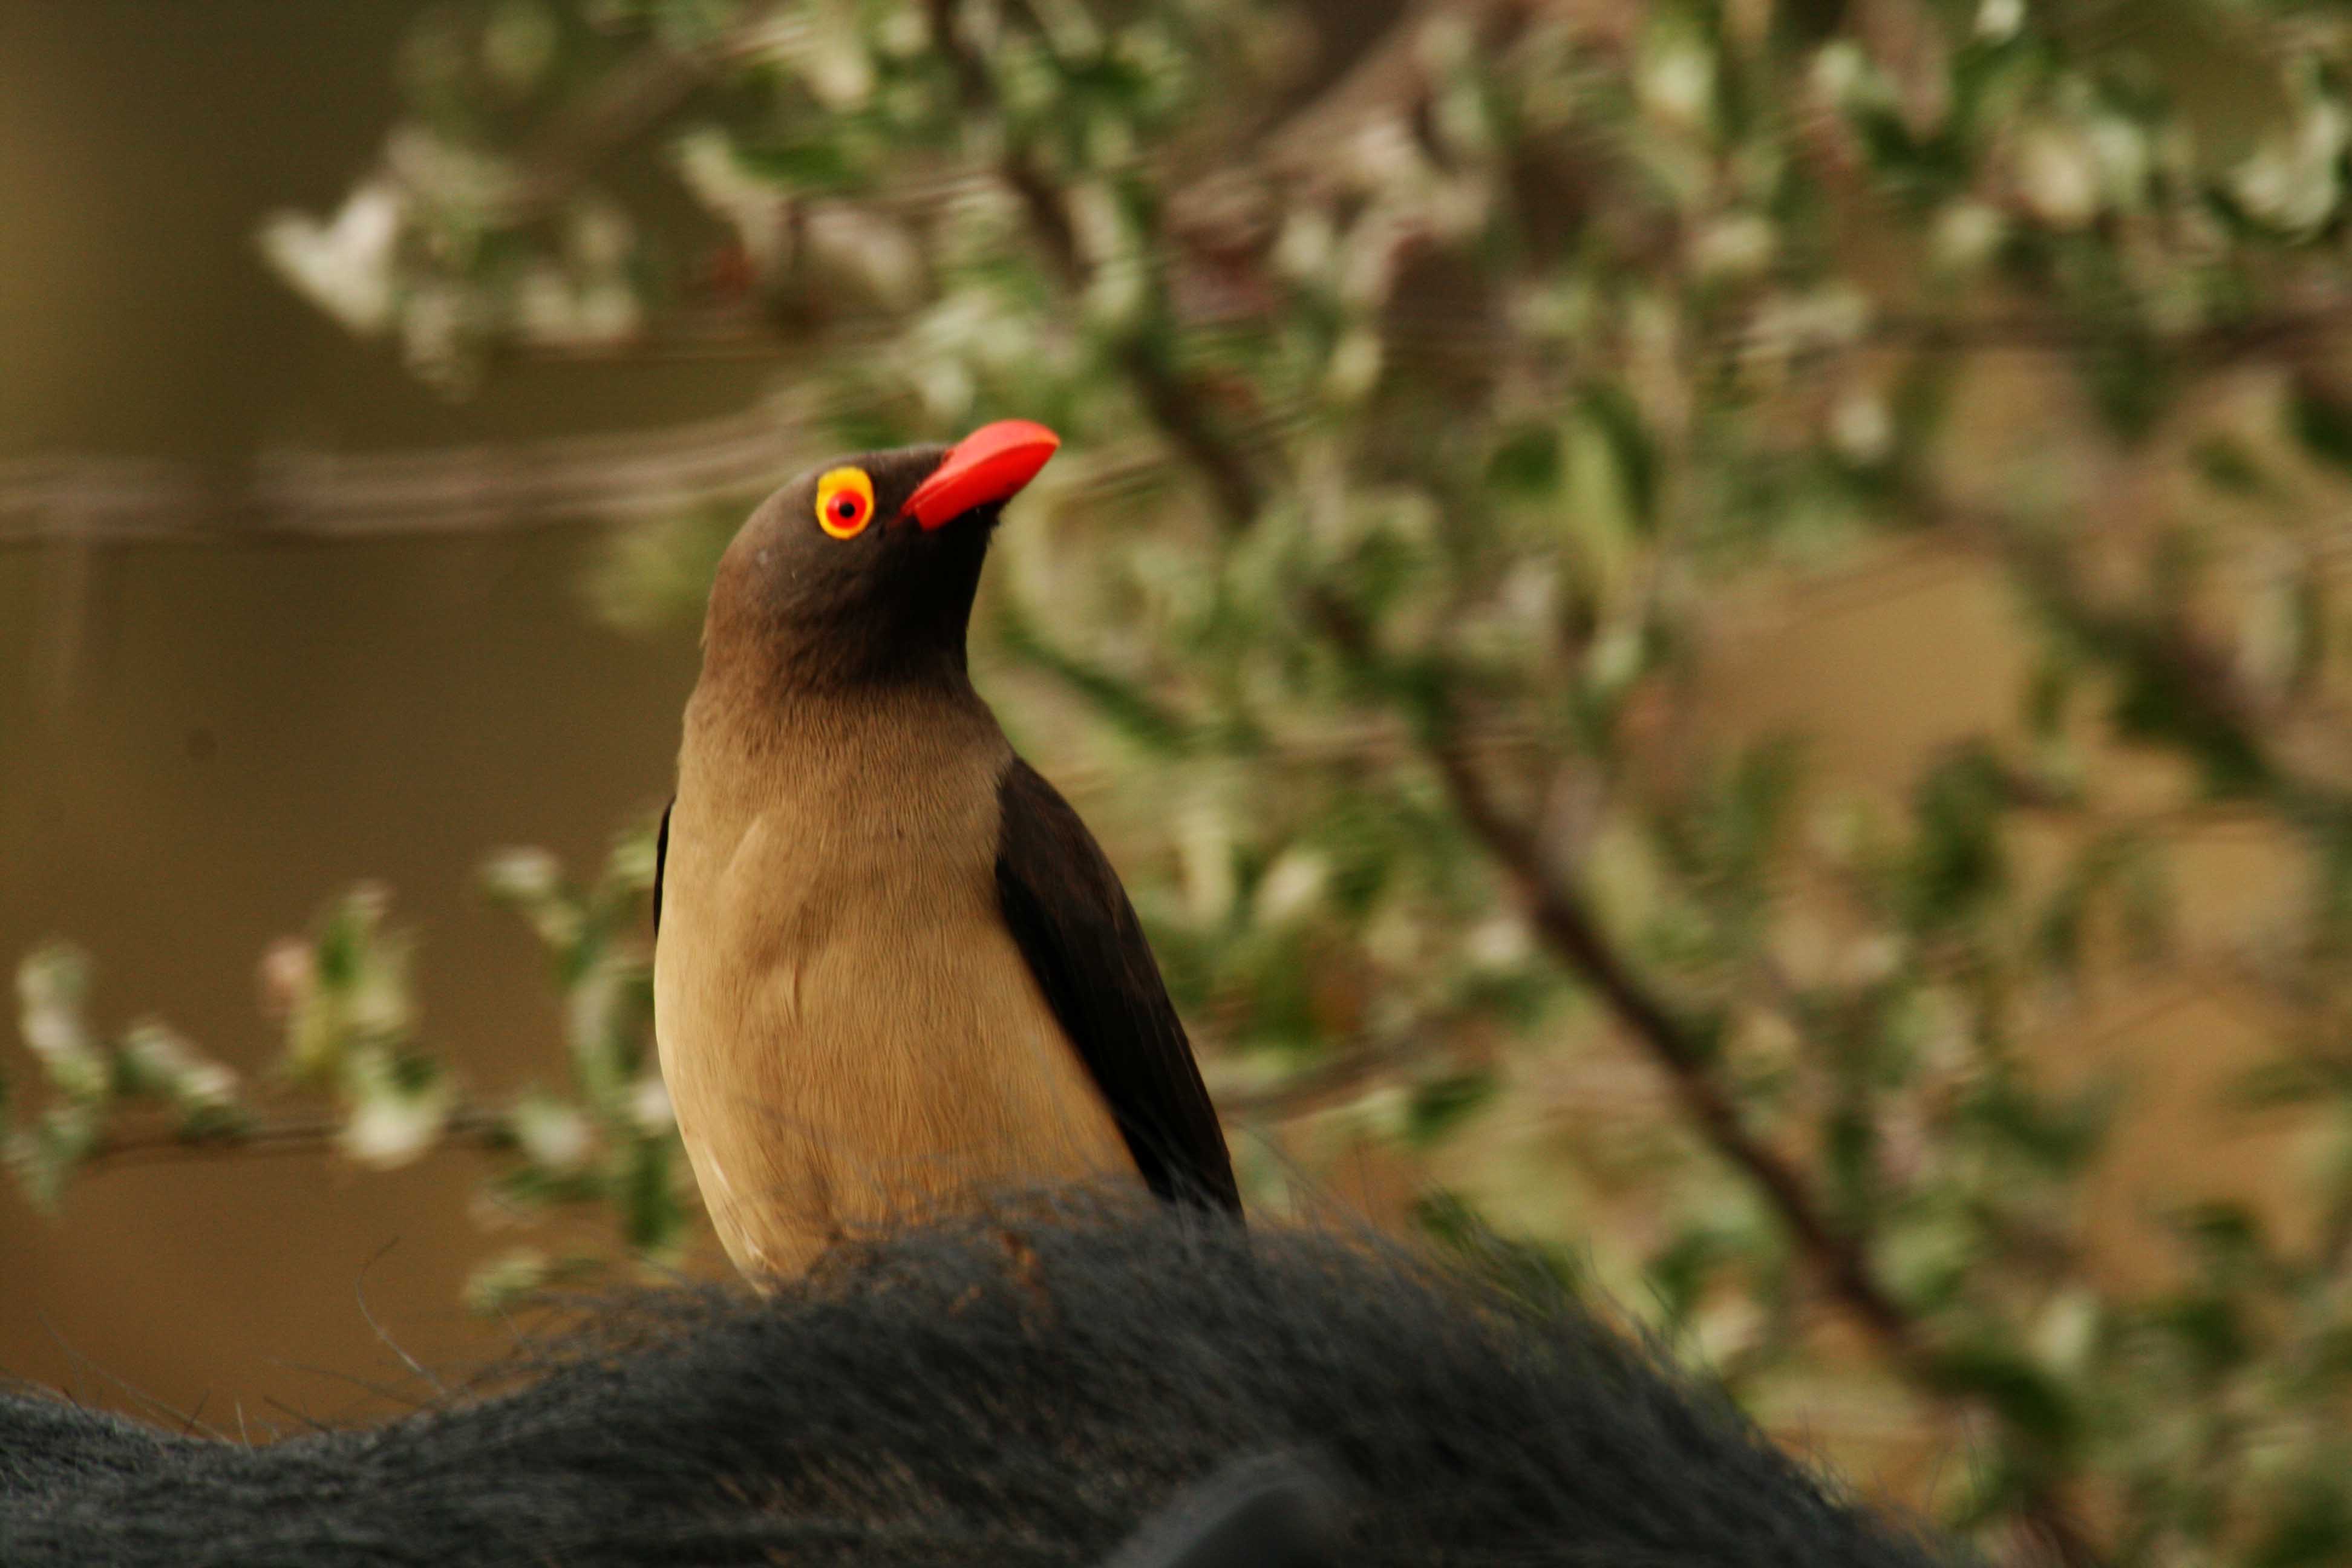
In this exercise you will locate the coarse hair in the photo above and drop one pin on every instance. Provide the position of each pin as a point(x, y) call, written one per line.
point(1022, 1387)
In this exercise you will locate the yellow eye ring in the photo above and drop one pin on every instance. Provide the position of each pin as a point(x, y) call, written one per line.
point(844, 502)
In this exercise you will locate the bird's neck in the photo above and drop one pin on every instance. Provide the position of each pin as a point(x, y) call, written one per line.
point(772, 736)
point(765, 660)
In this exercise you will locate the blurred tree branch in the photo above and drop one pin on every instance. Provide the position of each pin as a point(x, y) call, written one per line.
point(1172, 403)
point(1683, 1050)
point(466, 1123)
point(1523, 371)
point(297, 494)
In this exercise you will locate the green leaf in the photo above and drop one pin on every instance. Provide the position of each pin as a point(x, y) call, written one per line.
point(2228, 467)
point(1362, 843)
point(1680, 1274)
point(806, 163)
point(1441, 1105)
point(43, 1155)
point(1121, 702)
point(2160, 698)
point(2313, 1524)
point(1615, 414)
point(652, 1218)
point(2047, 696)
point(2132, 381)
point(2209, 1326)
point(2057, 1136)
point(1527, 461)
point(2322, 421)
point(2033, 1405)
point(1754, 809)
point(2289, 1081)
point(2229, 1237)
point(1926, 1251)
point(1958, 864)
point(2148, 904)
point(1849, 1154)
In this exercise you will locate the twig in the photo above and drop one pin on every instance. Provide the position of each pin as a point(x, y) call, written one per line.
point(1171, 401)
point(630, 101)
point(1573, 933)
point(325, 495)
point(2213, 704)
point(1559, 914)
point(1570, 930)
point(1312, 1090)
point(1561, 918)
point(294, 1135)
point(2212, 345)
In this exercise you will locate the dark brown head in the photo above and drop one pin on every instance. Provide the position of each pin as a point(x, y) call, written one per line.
point(864, 570)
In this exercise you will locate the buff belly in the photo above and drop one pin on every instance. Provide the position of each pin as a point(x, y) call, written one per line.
point(848, 1045)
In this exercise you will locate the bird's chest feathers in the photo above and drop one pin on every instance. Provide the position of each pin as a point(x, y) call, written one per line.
point(846, 901)
point(834, 974)
point(847, 917)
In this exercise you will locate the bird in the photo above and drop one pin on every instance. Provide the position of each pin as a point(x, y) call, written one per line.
point(892, 970)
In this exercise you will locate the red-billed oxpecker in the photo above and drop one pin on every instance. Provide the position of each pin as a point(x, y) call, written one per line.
point(891, 965)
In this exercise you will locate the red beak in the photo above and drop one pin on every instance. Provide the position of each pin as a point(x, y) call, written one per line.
point(990, 464)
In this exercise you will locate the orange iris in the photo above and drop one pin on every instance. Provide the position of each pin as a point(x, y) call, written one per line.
point(844, 502)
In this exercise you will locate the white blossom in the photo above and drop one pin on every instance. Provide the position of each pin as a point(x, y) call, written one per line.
point(1355, 367)
point(1205, 853)
point(2294, 181)
point(553, 1136)
point(1862, 429)
point(1733, 246)
point(1292, 886)
point(649, 1106)
point(1997, 21)
point(2058, 177)
point(343, 265)
point(1676, 82)
point(389, 1126)
point(754, 207)
point(1966, 236)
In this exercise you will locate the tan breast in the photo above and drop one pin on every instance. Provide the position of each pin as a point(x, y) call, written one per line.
point(849, 1032)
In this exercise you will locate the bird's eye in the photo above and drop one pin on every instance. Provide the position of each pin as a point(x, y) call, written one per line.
point(844, 502)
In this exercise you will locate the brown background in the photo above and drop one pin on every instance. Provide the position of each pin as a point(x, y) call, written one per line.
point(200, 744)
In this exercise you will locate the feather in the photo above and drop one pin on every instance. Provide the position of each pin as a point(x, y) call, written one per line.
point(1074, 924)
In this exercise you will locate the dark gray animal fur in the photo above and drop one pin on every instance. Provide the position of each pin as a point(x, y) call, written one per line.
point(955, 1397)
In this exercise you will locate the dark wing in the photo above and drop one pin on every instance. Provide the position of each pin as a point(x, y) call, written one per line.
point(1074, 924)
point(661, 861)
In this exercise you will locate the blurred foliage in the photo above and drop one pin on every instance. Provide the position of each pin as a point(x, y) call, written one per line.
point(1446, 387)
point(352, 1071)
